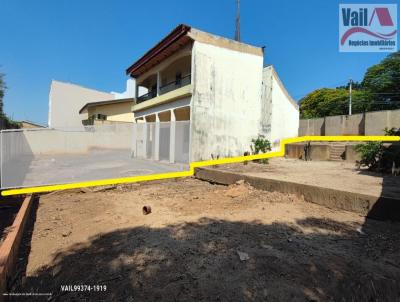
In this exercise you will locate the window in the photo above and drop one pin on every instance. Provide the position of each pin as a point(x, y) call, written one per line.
point(101, 117)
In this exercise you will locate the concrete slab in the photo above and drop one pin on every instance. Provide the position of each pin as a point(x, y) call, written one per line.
point(70, 168)
point(333, 184)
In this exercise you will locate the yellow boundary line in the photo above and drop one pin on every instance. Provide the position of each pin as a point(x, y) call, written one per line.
point(194, 165)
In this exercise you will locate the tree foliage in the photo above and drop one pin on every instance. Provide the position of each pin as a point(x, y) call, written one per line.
point(383, 80)
point(2, 91)
point(329, 101)
point(379, 90)
point(5, 121)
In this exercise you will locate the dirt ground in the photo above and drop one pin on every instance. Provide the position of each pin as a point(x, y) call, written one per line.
point(323, 174)
point(206, 242)
point(9, 208)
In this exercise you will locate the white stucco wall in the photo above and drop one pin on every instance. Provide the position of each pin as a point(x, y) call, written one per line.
point(66, 99)
point(54, 141)
point(284, 111)
point(226, 101)
point(130, 91)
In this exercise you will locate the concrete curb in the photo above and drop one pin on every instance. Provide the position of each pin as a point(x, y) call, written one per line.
point(10, 246)
point(366, 205)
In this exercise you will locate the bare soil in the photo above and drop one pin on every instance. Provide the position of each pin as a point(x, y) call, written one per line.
point(339, 175)
point(9, 208)
point(206, 242)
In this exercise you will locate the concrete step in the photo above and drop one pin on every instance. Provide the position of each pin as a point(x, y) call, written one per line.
point(336, 151)
point(338, 147)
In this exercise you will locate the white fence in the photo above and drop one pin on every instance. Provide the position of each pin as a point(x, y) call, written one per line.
point(31, 157)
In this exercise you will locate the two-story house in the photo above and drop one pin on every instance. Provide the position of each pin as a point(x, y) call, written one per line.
point(213, 91)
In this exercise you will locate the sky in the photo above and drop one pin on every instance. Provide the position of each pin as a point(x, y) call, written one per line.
point(92, 42)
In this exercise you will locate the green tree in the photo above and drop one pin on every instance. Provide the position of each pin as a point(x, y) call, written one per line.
point(383, 81)
point(2, 91)
point(5, 122)
point(327, 101)
point(379, 90)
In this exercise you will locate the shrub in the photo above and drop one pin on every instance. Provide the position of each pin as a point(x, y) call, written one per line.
point(371, 154)
point(260, 145)
point(375, 156)
point(391, 131)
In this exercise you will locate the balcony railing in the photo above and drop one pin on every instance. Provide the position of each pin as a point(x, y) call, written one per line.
point(165, 88)
point(175, 84)
point(151, 94)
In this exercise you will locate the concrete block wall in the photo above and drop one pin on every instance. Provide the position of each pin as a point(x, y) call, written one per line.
point(395, 118)
point(318, 126)
point(375, 122)
point(303, 127)
point(370, 123)
point(354, 124)
point(334, 125)
point(312, 127)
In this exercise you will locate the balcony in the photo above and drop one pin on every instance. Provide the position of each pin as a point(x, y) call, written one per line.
point(178, 83)
point(175, 94)
point(151, 94)
point(175, 84)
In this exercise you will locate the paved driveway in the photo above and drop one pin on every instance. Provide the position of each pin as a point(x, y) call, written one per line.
point(27, 171)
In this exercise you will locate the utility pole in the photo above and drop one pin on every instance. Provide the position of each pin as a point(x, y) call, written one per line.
point(237, 32)
point(350, 87)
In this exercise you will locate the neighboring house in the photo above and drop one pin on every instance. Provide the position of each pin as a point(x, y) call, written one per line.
point(30, 125)
point(107, 112)
point(220, 86)
point(71, 106)
point(65, 101)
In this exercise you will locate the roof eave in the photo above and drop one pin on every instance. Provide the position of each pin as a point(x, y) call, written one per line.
point(102, 103)
point(175, 34)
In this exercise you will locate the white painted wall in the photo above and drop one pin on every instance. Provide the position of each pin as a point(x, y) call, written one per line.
point(54, 141)
point(130, 91)
point(66, 99)
point(226, 103)
point(283, 110)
